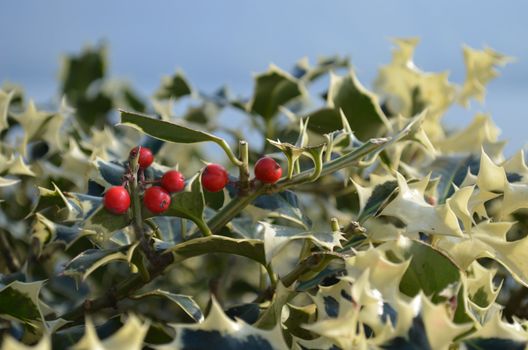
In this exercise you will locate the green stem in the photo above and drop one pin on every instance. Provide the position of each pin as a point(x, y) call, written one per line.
point(232, 209)
point(137, 216)
point(243, 180)
point(204, 228)
point(222, 143)
point(334, 223)
point(236, 205)
point(272, 276)
point(334, 165)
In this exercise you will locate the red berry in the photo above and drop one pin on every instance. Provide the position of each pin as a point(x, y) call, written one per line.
point(430, 200)
point(268, 170)
point(145, 156)
point(173, 181)
point(214, 178)
point(156, 199)
point(116, 200)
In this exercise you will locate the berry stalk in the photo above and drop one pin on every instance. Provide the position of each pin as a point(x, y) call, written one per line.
point(243, 179)
point(134, 191)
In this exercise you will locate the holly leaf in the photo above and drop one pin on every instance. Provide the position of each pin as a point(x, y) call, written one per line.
point(419, 216)
point(174, 86)
point(219, 329)
point(480, 70)
point(249, 248)
point(90, 260)
point(185, 302)
point(5, 100)
point(189, 205)
point(360, 106)
point(276, 237)
point(165, 130)
point(130, 336)
point(273, 89)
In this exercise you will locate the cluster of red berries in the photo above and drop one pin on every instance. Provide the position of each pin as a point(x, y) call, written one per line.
point(157, 198)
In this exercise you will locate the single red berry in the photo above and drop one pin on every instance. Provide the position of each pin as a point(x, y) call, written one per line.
point(268, 170)
point(430, 200)
point(116, 200)
point(145, 156)
point(173, 181)
point(214, 178)
point(156, 199)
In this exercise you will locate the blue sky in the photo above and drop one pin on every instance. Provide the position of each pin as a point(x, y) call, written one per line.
point(224, 42)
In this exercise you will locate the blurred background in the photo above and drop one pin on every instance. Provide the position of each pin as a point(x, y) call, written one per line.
point(217, 43)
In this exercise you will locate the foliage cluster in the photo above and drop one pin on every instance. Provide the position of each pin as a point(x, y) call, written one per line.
point(386, 231)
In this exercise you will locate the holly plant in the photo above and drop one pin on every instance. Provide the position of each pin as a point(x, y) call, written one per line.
point(309, 213)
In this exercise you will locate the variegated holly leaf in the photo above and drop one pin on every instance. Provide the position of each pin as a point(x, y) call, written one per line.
point(498, 334)
point(407, 89)
point(419, 216)
point(129, 336)
point(276, 237)
point(45, 231)
point(480, 70)
point(436, 318)
point(20, 301)
point(9, 343)
point(488, 239)
point(91, 259)
point(5, 100)
point(185, 302)
point(6, 182)
point(478, 294)
point(347, 311)
point(15, 165)
point(224, 333)
point(32, 122)
point(481, 133)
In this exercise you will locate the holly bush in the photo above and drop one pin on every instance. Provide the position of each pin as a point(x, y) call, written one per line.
point(368, 225)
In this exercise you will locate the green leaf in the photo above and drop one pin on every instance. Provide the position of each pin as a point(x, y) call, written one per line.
point(174, 86)
point(190, 205)
point(451, 170)
point(304, 71)
point(430, 271)
point(284, 204)
point(105, 222)
point(164, 130)
point(91, 259)
point(185, 302)
point(360, 106)
point(273, 89)
point(20, 300)
point(249, 248)
point(375, 198)
point(171, 132)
